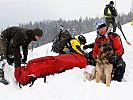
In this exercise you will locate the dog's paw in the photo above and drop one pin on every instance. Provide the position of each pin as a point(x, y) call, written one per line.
point(87, 75)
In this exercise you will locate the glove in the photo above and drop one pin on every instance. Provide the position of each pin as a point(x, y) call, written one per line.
point(85, 46)
point(92, 62)
point(24, 59)
point(113, 58)
point(10, 61)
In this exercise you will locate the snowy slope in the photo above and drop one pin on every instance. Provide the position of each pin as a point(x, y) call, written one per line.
point(71, 84)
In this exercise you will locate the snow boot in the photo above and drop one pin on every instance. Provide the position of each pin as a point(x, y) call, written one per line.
point(2, 79)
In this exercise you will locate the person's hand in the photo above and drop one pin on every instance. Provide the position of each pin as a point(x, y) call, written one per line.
point(10, 61)
point(85, 47)
point(88, 46)
point(113, 58)
point(24, 59)
point(92, 62)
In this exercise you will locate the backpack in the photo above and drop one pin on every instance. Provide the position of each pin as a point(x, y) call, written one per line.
point(114, 12)
point(60, 41)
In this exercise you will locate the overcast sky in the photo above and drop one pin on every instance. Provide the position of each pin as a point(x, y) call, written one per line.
point(13, 12)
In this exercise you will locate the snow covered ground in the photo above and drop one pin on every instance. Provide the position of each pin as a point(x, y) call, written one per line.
point(71, 84)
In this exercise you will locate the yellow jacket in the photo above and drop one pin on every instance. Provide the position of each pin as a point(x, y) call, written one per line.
point(74, 43)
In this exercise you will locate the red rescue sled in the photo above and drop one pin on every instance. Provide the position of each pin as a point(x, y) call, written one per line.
point(44, 66)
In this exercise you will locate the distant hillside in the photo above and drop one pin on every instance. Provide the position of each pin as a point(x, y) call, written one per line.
point(81, 26)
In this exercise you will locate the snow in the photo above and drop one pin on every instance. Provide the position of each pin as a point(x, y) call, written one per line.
point(71, 84)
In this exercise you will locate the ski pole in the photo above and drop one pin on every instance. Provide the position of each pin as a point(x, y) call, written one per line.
point(119, 26)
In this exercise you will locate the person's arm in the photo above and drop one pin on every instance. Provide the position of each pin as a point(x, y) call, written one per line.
point(25, 53)
point(14, 48)
point(118, 49)
point(88, 46)
point(117, 45)
point(95, 49)
point(80, 50)
point(75, 44)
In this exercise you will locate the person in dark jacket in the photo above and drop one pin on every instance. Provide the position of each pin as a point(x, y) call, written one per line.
point(110, 13)
point(103, 34)
point(14, 38)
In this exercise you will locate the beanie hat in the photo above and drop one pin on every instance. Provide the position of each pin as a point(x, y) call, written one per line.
point(100, 24)
point(38, 32)
point(111, 2)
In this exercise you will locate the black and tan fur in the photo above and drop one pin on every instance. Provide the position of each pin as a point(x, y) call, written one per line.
point(103, 68)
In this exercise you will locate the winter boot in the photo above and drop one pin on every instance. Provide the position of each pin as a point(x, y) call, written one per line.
point(2, 79)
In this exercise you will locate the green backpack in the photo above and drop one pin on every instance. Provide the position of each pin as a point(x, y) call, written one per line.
point(60, 41)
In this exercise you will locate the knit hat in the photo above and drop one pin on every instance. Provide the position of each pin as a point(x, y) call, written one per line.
point(38, 32)
point(100, 24)
point(111, 2)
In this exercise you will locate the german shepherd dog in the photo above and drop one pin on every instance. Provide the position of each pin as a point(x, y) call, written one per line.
point(103, 68)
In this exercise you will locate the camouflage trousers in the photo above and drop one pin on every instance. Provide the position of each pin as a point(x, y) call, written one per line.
point(2, 55)
point(3, 50)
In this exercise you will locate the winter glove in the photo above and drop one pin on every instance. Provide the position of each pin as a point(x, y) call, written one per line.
point(92, 62)
point(85, 46)
point(24, 59)
point(10, 61)
point(113, 58)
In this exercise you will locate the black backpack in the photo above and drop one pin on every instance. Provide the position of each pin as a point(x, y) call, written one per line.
point(60, 41)
point(114, 12)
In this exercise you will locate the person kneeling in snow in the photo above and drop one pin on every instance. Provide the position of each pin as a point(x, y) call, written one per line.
point(73, 46)
point(116, 59)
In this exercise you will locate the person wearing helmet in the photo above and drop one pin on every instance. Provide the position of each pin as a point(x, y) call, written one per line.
point(74, 46)
point(103, 34)
point(110, 13)
point(15, 37)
